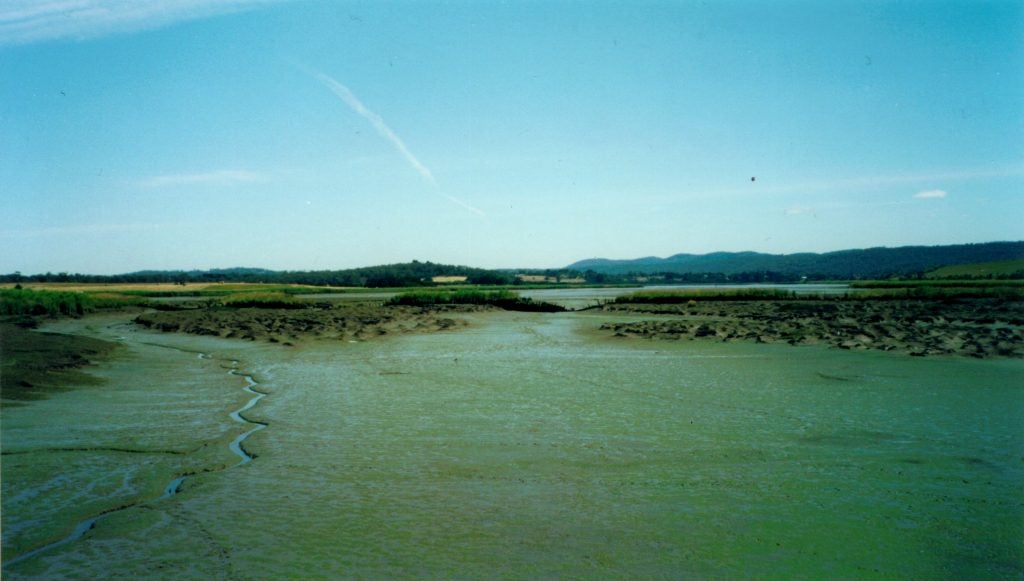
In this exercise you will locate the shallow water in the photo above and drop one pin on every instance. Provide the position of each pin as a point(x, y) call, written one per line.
point(523, 447)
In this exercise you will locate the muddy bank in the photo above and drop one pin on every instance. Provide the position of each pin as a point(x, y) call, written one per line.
point(288, 326)
point(34, 363)
point(968, 327)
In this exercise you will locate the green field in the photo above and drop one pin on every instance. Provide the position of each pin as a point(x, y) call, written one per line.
point(981, 270)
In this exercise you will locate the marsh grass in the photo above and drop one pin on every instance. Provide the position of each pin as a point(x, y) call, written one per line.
point(1010, 290)
point(937, 283)
point(263, 300)
point(730, 294)
point(503, 299)
point(875, 290)
point(16, 301)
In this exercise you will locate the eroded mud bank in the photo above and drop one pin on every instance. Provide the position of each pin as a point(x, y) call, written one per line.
point(341, 322)
point(968, 327)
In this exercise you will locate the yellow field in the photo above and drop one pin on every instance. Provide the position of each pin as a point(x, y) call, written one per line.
point(168, 287)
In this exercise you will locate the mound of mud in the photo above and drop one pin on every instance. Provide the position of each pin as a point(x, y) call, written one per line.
point(343, 322)
point(33, 364)
point(968, 327)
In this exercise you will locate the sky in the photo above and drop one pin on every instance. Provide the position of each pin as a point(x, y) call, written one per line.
point(309, 135)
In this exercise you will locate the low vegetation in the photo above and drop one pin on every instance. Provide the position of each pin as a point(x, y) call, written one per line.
point(875, 290)
point(503, 299)
point(19, 301)
point(726, 294)
point(1009, 290)
point(263, 300)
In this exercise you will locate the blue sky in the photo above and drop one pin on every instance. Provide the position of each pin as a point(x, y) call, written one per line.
point(320, 135)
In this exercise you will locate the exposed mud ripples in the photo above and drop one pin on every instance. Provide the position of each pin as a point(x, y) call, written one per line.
point(174, 486)
point(344, 322)
point(969, 327)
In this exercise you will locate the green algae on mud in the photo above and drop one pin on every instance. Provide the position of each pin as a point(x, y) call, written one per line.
point(523, 447)
point(517, 448)
point(154, 413)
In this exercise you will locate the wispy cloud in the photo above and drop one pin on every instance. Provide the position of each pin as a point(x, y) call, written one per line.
point(27, 21)
point(930, 194)
point(353, 102)
point(224, 177)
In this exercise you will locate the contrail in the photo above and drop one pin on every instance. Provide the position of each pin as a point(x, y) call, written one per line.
point(378, 123)
point(464, 205)
point(382, 128)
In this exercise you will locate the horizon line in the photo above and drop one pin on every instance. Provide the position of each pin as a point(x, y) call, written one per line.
point(565, 267)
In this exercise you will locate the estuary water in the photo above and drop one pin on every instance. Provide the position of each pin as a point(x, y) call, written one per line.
point(523, 446)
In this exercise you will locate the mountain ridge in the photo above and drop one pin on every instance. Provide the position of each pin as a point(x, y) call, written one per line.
point(876, 262)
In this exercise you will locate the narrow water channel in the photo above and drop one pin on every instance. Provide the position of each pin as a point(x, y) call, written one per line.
point(174, 486)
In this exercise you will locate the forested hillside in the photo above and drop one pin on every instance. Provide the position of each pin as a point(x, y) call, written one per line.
point(843, 264)
point(413, 273)
point(718, 267)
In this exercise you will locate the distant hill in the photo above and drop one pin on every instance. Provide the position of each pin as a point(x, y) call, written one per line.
point(844, 264)
point(413, 273)
point(237, 271)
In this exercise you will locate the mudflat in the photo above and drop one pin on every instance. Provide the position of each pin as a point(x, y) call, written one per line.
point(339, 321)
point(520, 445)
point(33, 364)
point(971, 327)
point(966, 327)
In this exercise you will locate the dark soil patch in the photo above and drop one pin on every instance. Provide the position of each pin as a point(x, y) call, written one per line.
point(33, 364)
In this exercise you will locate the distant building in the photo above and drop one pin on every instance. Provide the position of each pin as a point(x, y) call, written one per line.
point(577, 280)
point(448, 279)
